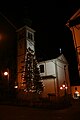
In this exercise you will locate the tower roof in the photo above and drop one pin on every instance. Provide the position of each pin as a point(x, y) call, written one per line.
point(26, 28)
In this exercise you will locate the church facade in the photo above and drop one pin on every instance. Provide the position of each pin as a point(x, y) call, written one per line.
point(55, 76)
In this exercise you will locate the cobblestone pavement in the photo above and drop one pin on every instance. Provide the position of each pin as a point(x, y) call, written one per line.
point(8, 112)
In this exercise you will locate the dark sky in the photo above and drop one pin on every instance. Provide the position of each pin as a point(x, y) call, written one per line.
point(48, 19)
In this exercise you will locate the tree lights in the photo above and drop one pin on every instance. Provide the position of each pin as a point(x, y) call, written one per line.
point(32, 76)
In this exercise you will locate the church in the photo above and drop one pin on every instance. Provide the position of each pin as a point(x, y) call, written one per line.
point(54, 73)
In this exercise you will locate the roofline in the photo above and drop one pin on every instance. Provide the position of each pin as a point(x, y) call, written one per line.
point(26, 27)
point(56, 59)
point(73, 17)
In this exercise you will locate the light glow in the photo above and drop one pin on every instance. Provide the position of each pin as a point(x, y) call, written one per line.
point(16, 86)
point(5, 73)
point(66, 87)
point(61, 88)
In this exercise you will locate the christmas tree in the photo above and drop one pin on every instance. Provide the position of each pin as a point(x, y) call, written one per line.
point(33, 79)
point(38, 86)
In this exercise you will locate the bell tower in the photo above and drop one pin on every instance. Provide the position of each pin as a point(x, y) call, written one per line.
point(25, 41)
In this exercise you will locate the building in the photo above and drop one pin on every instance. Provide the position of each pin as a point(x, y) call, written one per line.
point(25, 36)
point(54, 72)
point(74, 25)
point(55, 76)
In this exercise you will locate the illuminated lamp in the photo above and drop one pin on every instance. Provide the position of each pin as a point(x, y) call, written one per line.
point(5, 73)
point(61, 88)
point(63, 85)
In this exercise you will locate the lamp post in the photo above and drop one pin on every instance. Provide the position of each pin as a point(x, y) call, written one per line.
point(64, 87)
point(6, 73)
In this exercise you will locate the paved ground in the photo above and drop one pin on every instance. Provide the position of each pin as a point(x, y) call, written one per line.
point(24, 113)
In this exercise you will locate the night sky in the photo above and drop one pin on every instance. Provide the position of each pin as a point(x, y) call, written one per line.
point(48, 19)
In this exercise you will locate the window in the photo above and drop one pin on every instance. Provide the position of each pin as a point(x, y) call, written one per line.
point(41, 68)
point(30, 35)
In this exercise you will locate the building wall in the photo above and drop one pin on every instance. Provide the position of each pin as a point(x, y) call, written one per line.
point(55, 69)
point(49, 68)
point(63, 76)
point(25, 41)
point(75, 29)
point(49, 87)
point(21, 55)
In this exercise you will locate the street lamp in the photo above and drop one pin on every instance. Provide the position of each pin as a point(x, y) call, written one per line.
point(64, 87)
point(6, 73)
